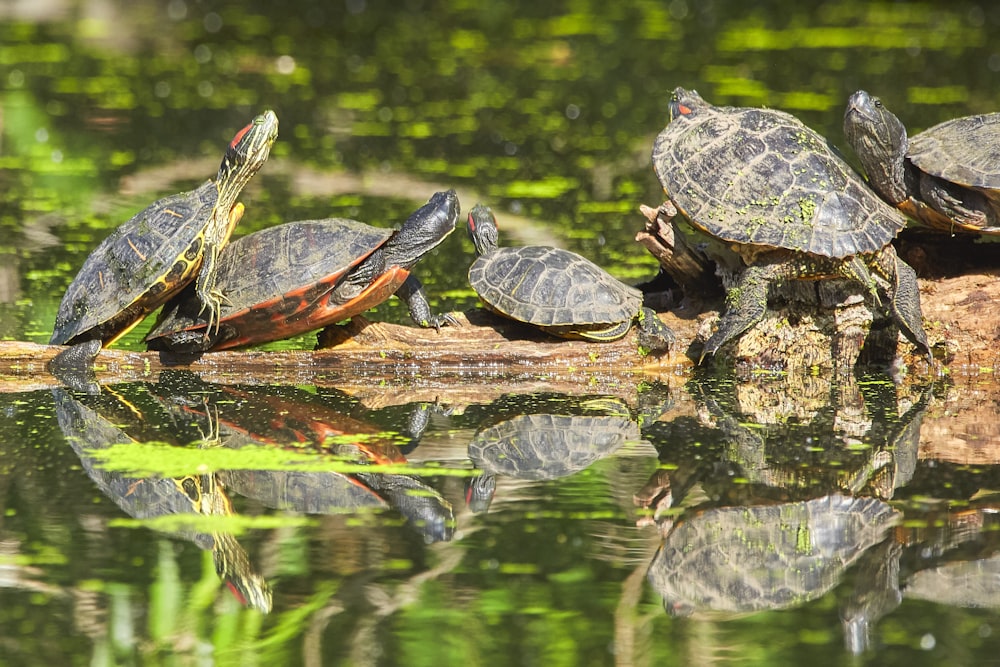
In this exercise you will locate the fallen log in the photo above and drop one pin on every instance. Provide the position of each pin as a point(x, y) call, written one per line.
point(369, 353)
point(962, 315)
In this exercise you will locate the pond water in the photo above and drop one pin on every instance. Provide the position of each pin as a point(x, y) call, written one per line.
point(688, 519)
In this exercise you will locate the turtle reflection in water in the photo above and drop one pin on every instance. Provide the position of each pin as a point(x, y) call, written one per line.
point(548, 446)
point(149, 497)
point(250, 416)
point(745, 559)
point(854, 441)
point(846, 416)
point(948, 557)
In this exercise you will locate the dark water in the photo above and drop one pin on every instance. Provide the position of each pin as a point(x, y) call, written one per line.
point(687, 521)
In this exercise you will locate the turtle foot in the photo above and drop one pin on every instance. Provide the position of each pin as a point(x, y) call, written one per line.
point(746, 305)
point(438, 321)
point(654, 335)
point(905, 307)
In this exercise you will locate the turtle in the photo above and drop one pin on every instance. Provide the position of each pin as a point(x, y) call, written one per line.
point(776, 195)
point(742, 559)
point(292, 278)
point(157, 252)
point(90, 428)
point(946, 177)
point(557, 291)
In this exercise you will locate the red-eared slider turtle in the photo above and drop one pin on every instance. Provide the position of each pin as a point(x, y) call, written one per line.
point(300, 276)
point(947, 177)
point(750, 558)
point(169, 244)
point(88, 430)
point(557, 291)
point(769, 187)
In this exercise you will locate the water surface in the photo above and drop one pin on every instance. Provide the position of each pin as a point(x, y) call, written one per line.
point(691, 520)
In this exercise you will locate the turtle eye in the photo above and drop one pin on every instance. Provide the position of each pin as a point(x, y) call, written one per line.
point(877, 102)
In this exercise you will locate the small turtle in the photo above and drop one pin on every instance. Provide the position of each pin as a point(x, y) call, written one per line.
point(947, 177)
point(770, 188)
point(557, 291)
point(289, 279)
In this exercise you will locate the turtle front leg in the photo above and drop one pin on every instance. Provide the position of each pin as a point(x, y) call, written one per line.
point(903, 296)
point(211, 298)
point(217, 234)
point(654, 335)
point(963, 205)
point(746, 304)
point(412, 292)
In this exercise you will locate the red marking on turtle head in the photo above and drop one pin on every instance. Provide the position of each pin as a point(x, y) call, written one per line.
point(236, 593)
point(239, 135)
point(683, 109)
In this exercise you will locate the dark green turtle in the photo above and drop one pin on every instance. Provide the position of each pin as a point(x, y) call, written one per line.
point(557, 291)
point(947, 177)
point(777, 195)
point(289, 279)
point(167, 245)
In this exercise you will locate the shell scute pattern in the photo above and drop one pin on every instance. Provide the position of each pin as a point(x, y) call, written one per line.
point(962, 150)
point(130, 262)
point(311, 253)
point(761, 177)
point(551, 287)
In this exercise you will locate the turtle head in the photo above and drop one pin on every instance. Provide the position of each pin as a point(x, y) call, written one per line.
point(483, 231)
point(245, 155)
point(685, 103)
point(878, 138)
point(426, 227)
point(479, 492)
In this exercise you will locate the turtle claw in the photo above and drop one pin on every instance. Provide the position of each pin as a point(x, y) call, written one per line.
point(212, 307)
point(438, 321)
point(213, 303)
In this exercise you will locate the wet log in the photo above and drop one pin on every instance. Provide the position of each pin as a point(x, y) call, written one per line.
point(962, 316)
point(369, 353)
